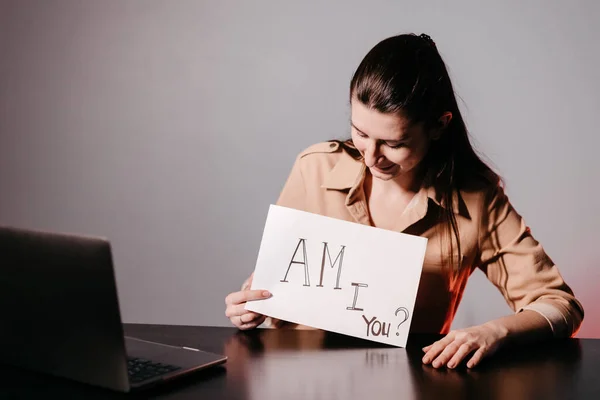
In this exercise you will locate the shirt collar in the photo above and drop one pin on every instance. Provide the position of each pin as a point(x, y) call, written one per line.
point(349, 173)
point(458, 206)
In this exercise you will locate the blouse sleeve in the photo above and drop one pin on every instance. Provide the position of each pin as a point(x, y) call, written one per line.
point(293, 194)
point(520, 268)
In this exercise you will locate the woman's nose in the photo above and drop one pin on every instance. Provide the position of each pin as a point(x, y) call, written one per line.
point(372, 154)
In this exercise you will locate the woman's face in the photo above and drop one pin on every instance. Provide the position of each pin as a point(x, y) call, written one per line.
point(390, 144)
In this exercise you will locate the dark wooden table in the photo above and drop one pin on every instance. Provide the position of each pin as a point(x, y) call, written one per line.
point(283, 364)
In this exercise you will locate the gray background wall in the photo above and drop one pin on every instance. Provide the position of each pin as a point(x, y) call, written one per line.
point(170, 126)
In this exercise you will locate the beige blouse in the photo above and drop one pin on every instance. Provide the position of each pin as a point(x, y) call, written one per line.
point(326, 180)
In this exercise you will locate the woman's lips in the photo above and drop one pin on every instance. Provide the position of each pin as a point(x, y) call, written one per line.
point(385, 169)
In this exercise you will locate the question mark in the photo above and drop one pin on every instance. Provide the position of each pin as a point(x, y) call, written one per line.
point(403, 309)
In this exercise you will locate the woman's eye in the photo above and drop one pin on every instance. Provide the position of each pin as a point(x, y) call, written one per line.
point(396, 146)
point(360, 134)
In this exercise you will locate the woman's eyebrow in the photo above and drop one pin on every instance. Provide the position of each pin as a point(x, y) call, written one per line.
point(402, 139)
point(355, 127)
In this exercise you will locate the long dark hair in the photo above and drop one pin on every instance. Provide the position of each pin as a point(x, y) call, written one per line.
point(406, 74)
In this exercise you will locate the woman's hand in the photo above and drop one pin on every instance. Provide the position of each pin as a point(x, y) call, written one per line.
point(236, 302)
point(482, 340)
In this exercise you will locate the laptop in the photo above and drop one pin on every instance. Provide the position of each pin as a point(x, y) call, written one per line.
point(59, 315)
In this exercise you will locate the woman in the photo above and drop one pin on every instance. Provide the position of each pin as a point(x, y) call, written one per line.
point(410, 167)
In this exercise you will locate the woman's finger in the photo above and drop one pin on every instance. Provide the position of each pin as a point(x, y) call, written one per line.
point(253, 324)
point(446, 354)
point(462, 352)
point(249, 316)
point(436, 348)
point(477, 357)
point(245, 296)
point(238, 310)
point(234, 310)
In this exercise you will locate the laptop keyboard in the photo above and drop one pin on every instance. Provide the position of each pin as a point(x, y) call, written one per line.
point(140, 369)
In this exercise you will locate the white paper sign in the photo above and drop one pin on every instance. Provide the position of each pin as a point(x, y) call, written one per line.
point(338, 276)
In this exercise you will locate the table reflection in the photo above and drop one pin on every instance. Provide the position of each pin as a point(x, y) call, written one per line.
point(273, 364)
point(331, 374)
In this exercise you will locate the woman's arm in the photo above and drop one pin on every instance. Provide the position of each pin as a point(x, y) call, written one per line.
point(518, 266)
point(522, 328)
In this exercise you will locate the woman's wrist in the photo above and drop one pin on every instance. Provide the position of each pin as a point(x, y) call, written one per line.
point(524, 327)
